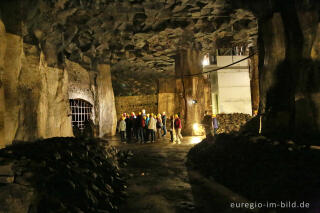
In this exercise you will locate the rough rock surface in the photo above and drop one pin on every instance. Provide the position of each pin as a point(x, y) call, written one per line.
point(61, 175)
point(140, 34)
point(146, 35)
point(229, 123)
point(3, 45)
point(36, 98)
point(107, 117)
point(232, 122)
point(258, 167)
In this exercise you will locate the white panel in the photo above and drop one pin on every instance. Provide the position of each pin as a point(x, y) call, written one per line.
point(226, 60)
point(233, 107)
point(235, 94)
point(228, 78)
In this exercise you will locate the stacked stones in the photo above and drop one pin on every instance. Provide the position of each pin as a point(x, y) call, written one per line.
point(232, 122)
point(61, 175)
point(258, 167)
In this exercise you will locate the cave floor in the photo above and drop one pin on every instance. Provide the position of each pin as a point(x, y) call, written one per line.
point(159, 181)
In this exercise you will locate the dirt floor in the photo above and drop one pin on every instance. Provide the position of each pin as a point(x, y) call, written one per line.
point(159, 181)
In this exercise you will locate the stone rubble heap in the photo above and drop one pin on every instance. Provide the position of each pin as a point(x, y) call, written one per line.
point(232, 122)
point(61, 175)
point(258, 167)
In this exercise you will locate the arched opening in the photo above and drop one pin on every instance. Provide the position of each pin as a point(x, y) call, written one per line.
point(81, 111)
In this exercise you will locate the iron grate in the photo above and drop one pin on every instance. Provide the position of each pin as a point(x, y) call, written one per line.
point(81, 111)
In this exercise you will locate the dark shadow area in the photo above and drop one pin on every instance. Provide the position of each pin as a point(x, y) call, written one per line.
point(67, 174)
point(260, 169)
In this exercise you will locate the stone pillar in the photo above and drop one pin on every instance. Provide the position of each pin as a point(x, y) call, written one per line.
point(254, 81)
point(3, 42)
point(166, 96)
point(107, 116)
point(190, 91)
point(289, 79)
point(12, 69)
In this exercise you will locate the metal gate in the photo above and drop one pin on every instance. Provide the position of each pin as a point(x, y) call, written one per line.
point(81, 111)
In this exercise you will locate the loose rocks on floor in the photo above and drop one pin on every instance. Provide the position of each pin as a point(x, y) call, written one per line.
point(61, 175)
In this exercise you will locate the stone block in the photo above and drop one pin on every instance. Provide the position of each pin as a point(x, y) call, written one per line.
point(6, 179)
point(15, 198)
point(6, 170)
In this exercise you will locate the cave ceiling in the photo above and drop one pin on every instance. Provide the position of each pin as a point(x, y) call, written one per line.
point(142, 36)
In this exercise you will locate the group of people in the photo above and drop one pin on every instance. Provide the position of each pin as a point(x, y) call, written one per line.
point(149, 127)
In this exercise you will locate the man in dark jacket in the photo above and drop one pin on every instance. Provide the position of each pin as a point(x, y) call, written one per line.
point(128, 128)
point(164, 121)
point(140, 122)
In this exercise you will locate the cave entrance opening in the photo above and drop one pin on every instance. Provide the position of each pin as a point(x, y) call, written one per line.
point(81, 111)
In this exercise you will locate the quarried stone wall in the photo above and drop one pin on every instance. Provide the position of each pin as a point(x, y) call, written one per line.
point(35, 95)
point(135, 104)
point(3, 42)
point(105, 102)
point(80, 84)
point(192, 92)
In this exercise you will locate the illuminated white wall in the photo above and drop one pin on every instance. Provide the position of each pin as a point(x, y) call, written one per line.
point(232, 86)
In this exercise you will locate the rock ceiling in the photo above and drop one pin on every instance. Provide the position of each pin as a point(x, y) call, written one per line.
point(136, 35)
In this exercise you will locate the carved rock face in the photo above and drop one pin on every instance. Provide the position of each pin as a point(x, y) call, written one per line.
point(142, 34)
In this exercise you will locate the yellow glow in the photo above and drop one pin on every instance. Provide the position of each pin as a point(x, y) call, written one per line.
point(196, 140)
point(198, 129)
point(205, 60)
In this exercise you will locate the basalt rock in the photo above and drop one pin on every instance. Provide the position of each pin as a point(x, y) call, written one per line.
point(145, 33)
point(62, 175)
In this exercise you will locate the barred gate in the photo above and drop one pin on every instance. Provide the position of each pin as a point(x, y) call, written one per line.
point(81, 111)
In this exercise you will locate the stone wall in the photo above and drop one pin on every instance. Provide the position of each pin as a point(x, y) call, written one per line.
point(3, 42)
point(135, 104)
point(289, 71)
point(36, 101)
point(80, 84)
point(105, 102)
point(190, 88)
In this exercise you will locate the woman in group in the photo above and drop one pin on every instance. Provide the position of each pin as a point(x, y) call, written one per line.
point(152, 127)
point(159, 126)
point(177, 128)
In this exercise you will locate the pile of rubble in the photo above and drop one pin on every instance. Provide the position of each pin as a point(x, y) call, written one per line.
point(228, 122)
point(259, 168)
point(232, 122)
point(61, 175)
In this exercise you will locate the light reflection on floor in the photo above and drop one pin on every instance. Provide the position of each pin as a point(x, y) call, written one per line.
point(187, 140)
point(193, 139)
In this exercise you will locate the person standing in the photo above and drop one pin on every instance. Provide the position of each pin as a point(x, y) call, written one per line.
point(171, 126)
point(164, 124)
point(128, 128)
point(177, 128)
point(146, 130)
point(133, 125)
point(122, 129)
point(215, 124)
point(152, 127)
point(143, 112)
point(140, 122)
point(159, 126)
